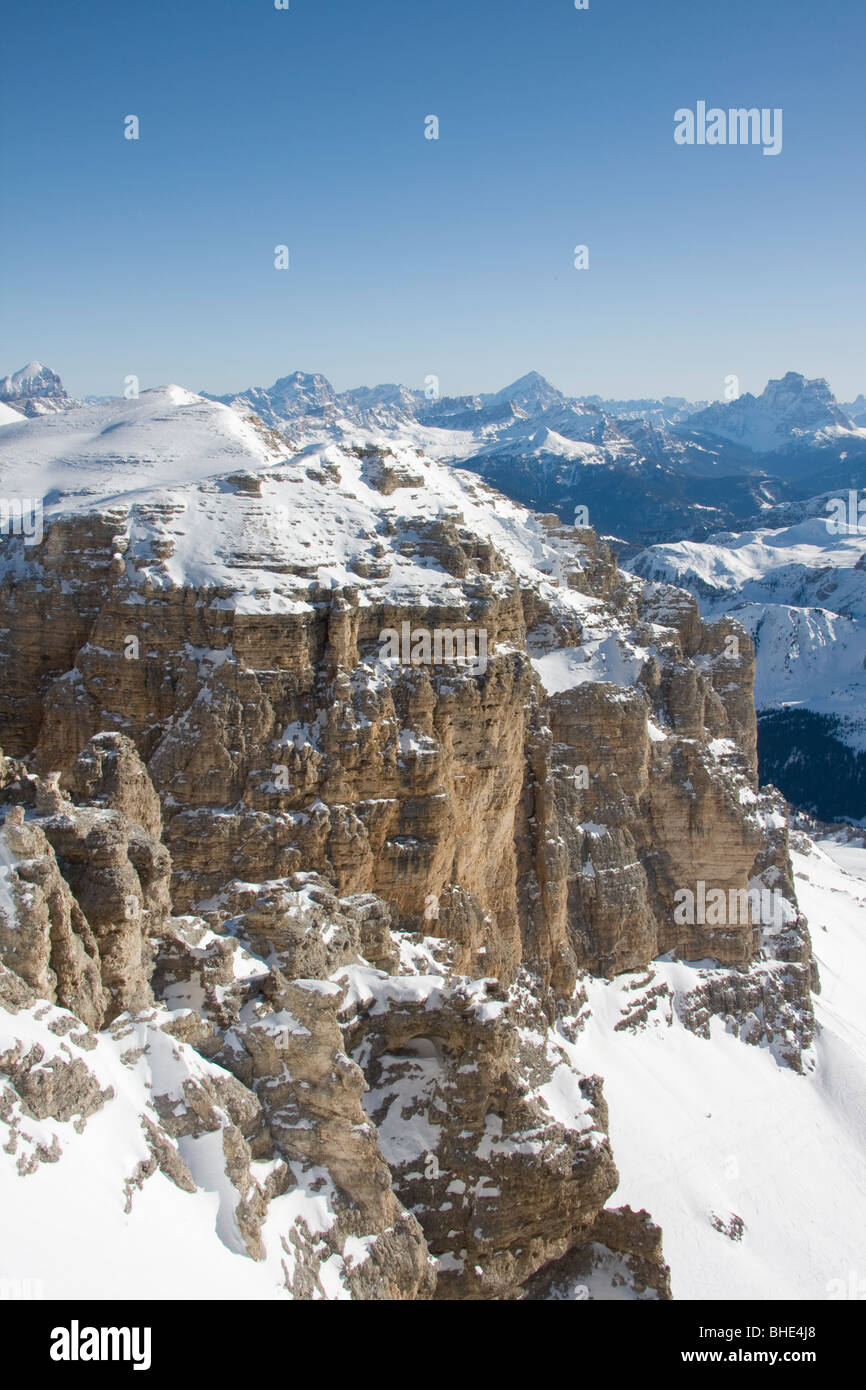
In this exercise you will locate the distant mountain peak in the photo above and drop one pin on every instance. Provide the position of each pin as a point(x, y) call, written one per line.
point(303, 381)
point(289, 398)
point(530, 380)
point(788, 406)
point(533, 389)
point(34, 390)
point(798, 384)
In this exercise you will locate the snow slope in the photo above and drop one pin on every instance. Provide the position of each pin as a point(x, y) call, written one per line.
point(606, 658)
point(8, 416)
point(100, 452)
point(710, 1133)
point(224, 501)
point(78, 1225)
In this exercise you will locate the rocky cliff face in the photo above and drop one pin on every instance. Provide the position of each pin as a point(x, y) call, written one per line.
point(362, 886)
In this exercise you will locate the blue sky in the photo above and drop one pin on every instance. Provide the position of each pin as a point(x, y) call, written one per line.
point(411, 256)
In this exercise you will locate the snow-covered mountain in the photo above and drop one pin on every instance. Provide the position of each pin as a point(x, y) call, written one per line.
point(670, 410)
point(800, 591)
point(34, 390)
point(299, 394)
point(381, 405)
point(789, 413)
point(706, 491)
point(646, 470)
point(306, 946)
point(856, 410)
point(143, 445)
point(531, 394)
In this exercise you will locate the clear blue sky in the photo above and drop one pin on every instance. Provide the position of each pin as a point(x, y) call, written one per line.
point(413, 256)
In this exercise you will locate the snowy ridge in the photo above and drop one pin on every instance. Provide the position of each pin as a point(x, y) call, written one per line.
point(95, 454)
point(648, 470)
point(236, 511)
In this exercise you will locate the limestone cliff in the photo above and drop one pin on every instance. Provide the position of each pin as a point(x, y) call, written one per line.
point(365, 886)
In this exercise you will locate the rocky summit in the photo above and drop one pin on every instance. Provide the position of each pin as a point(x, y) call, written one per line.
point(310, 942)
point(34, 390)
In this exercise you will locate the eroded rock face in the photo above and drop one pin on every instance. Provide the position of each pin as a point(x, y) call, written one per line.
point(255, 1085)
point(99, 883)
point(109, 772)
point(559, 824)
point(494, 1138)
point(622, 1249)
point(362, 891)
point(74, 933)
point(441, 1120)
